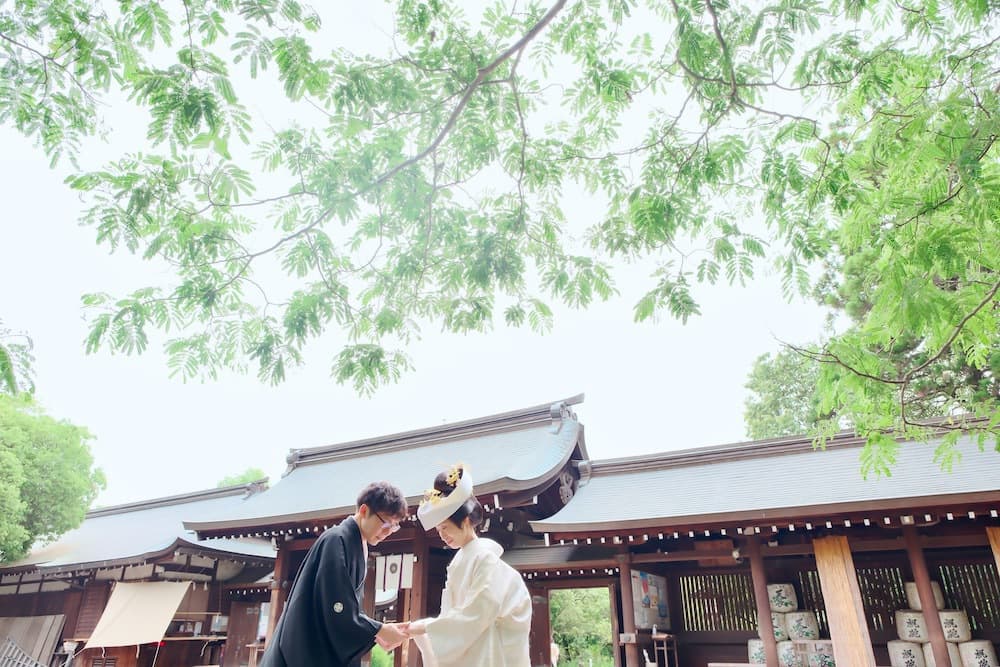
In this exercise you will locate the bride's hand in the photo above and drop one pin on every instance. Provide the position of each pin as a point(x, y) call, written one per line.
point(417, 628)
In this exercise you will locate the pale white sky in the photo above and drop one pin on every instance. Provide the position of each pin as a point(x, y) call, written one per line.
point(649, 387)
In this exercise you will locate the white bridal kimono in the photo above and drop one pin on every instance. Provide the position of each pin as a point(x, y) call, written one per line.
point(485, 613)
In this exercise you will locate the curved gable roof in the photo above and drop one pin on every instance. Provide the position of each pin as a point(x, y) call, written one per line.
point(512, 451)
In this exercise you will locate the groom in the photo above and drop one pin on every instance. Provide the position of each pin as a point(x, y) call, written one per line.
point(322, 623)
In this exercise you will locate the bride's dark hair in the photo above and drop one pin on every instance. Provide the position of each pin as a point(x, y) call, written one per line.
point(470, 508)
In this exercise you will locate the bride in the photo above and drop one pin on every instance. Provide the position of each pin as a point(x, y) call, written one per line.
point(485, 607)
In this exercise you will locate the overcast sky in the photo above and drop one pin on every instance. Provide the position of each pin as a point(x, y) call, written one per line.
point(649, 387)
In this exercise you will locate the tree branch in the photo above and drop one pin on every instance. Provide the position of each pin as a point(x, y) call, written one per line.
point(442, 134)
point(830, 358)
point(49, 59)
point(954, 335)
point(726, 57)
point(469, 91)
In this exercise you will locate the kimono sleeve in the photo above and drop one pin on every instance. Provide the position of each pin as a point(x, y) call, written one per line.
point(349, 631)
point(456, 630)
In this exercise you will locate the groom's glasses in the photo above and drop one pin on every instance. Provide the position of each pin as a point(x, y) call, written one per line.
point(393, 526)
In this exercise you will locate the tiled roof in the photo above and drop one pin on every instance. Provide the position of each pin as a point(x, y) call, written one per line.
point(130, 533)
point(761, 480)
point(512, 451)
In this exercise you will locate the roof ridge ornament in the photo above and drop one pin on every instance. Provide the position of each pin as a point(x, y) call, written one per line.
point(559, 412)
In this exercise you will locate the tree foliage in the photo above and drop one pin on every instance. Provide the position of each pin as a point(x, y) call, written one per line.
point(15, 362)
point(788, 389)
point(783, 397)
point(380, 658)
point(433, 180)
point(47, 476)
point(581, 625)
point(247, 476)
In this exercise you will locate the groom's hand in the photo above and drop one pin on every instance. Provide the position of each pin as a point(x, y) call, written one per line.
point(391, 635)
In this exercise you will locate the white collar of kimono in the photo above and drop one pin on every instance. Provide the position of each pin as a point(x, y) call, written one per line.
point(433, 512)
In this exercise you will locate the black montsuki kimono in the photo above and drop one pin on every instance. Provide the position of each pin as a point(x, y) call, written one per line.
point(322, 624)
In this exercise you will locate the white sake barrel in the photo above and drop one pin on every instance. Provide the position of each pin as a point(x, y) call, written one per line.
point(978, 653)
point(955, 624)
point(905, 654)
point(755, 652)
point(956, 660)
point(910, 626)
point(913, 598)
point(778, 623)
point(821, 654)
point(787, 655)
point(782, 597)
point(802, 625)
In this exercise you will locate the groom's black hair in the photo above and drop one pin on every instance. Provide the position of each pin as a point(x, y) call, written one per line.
point(384, 498)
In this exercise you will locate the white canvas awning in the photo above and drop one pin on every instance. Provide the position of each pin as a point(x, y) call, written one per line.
point(138, 613)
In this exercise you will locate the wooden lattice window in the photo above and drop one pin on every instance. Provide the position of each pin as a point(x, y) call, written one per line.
point(718, 603)
point(882, 593)
point(974, 587)
point(812, 598)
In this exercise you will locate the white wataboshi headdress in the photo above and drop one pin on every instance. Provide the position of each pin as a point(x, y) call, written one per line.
point(436, 507)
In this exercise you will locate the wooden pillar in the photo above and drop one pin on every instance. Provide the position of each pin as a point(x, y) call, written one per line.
point(993, 534)
point(401, 655)
point(540, 639)
point(628, 610)
point(759, 577)
point(615, 600)
point(923, 580)
point(416, 599)
point(845, 613)
point(279, 588)
point(368, 595)
point(368, 601)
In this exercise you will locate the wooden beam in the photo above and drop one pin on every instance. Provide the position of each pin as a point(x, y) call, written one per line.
point(923, 580)
point(574, 582)
point(759, 578)
point(594, 564)
point(844, 610)
point(182, 569)
point(806, 549)
point(993, 534)
point(628, 611)
point(300, 543)
point(680, 556)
